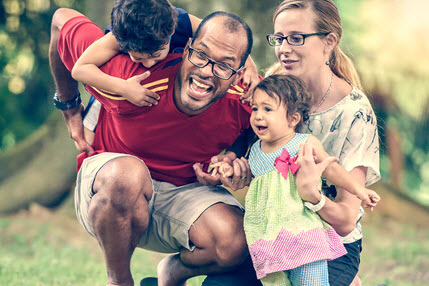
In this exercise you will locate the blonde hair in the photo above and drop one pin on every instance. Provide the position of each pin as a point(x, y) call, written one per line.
point(327, 20)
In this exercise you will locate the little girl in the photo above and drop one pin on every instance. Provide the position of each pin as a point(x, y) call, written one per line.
point(288, 241)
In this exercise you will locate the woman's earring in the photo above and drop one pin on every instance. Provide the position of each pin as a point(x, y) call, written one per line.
point(328, 63)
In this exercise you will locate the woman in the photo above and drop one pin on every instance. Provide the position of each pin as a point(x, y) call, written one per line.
point(306, 41)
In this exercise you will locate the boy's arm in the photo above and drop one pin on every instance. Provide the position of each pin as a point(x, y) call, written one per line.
point(86, 68)
point(250, 79)
point(195, 22)
point(343, 179)
point(87, 71)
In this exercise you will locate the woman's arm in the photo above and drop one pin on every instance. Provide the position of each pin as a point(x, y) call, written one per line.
point(341, 214)
point(336, 174)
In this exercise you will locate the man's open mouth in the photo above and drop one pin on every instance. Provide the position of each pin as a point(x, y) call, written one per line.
point(199, 88)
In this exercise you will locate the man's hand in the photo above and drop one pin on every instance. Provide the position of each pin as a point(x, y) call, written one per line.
point(209, 179)
point(241, 172)
point(310, 172)
point(73, 118)
point(138, 95)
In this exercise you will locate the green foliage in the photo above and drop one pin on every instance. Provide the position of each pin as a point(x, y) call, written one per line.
point(26, 85)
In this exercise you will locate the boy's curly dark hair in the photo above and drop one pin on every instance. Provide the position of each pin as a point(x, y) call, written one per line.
point(143, 26)
point(289, 91)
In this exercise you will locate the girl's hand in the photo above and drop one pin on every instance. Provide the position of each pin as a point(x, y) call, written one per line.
point(138, 95)
point(369, 198)
point(223, 168)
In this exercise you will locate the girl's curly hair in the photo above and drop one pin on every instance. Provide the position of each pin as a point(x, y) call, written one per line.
point(290, 91)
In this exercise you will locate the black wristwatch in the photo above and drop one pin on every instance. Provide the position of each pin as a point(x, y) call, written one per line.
point(73, 103)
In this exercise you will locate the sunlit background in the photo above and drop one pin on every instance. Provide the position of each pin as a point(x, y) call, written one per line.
point(387, 39)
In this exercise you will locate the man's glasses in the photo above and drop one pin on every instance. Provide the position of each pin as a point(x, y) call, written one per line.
point(221, 70)
point(294, 39)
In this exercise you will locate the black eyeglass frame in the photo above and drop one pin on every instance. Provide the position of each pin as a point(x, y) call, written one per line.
point(287, 38)
point(210, 61)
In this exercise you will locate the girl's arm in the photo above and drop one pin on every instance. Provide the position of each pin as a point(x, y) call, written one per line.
point(341, 214)
point(87, 71)
point(341, 178)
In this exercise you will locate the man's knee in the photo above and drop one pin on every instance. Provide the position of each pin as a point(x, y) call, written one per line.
point(231, 245)
point(225, 225)
point(123, 182)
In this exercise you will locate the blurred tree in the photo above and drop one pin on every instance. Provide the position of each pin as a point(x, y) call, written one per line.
point(42, 167)
point(390, 44)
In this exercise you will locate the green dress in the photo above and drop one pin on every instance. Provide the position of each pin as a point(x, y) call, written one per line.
point(281, 233)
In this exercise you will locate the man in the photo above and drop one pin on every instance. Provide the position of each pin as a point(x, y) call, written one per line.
point(140, 189)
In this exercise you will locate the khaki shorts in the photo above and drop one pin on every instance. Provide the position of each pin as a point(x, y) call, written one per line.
point(172, 209)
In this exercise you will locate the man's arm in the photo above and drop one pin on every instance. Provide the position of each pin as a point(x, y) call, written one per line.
point(241, 145)
point(67, 87)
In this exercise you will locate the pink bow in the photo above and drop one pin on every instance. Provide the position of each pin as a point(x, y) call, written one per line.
point(284, 162)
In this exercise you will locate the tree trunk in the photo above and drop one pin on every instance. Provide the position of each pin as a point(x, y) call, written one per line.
point(40, 169)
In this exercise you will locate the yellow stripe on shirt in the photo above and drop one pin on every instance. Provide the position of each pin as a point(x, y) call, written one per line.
point(113, 96)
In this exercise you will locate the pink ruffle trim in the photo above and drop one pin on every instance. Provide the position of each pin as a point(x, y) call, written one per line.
point(288, 250)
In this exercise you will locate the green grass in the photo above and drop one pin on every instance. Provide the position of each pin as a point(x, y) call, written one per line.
point(41, 248)
point(34, 252)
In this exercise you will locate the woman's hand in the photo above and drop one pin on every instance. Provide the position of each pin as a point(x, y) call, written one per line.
point(310, 172)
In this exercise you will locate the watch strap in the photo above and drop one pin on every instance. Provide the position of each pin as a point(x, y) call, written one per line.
point(73, 103)
point(317, 207)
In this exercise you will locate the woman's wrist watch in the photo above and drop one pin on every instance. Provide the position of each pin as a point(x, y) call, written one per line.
point(317, 207)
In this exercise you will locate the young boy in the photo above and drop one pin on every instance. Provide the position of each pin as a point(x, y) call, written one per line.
point(148, 30)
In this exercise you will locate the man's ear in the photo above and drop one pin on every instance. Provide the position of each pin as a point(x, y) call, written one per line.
point(186, 49)
point(239, 76)
point(294, 119)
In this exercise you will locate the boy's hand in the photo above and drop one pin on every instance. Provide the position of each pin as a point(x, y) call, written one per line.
point(250, 80)
point(138, 95)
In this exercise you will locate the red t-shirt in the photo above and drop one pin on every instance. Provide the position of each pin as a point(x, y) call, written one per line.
point(167, 140)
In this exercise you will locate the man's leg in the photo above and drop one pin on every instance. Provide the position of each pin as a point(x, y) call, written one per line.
point(118, 213)
point(220, 245)
point(243, 275)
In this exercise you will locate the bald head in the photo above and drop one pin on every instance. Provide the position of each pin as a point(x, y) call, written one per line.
point(232, 24)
